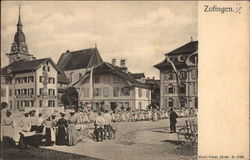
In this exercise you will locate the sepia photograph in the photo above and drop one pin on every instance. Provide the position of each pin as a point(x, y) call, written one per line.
point(115, 80)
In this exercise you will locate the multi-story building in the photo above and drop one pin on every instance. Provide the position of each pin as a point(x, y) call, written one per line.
point(28, 82)
point(179, 90)
point(155, 90)
point(76, 63)
point(114, 88)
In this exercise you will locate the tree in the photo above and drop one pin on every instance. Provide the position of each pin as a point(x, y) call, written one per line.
point(3, 105)
point(70, 98)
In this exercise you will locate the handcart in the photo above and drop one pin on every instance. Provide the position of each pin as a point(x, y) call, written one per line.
point(188, 134)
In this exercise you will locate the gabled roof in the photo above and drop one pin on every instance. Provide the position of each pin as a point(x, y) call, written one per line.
point(107, 68)
point(185, 49)
point(79, 59)
point(23, 66)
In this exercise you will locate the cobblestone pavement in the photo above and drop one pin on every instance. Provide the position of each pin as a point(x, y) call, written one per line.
point(136, 140)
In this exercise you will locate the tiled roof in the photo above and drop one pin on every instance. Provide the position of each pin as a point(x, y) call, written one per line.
point(76, 59)
point(109, 68)
point(185, 49)
point(62, 78)
point(22, 66)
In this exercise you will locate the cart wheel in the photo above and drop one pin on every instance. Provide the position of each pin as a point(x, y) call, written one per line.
point(186, 136)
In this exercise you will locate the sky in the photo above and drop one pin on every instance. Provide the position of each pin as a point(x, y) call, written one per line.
point(141, 32)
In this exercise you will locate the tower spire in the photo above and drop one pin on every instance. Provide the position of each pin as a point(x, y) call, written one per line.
point(19, 23)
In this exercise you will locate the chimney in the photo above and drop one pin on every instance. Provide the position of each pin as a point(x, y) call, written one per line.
point(153, 78)
point(123, 63)
point(191, 39)
point(67, 51)
point(114, 62)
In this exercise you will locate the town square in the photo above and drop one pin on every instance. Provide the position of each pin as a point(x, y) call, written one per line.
point(86, 80)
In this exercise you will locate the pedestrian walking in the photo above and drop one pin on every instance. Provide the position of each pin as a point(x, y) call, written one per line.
point(173, 121)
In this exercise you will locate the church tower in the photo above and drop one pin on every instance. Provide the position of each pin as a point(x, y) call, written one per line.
point(19, 49)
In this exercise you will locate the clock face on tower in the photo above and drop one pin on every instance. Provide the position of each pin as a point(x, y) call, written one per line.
point(14, 48)
point(24, 49)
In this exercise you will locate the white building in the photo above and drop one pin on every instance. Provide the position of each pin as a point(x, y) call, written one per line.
point(114, 88)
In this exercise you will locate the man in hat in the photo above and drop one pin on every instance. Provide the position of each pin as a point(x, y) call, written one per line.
point(173, 117)
point(99, 123)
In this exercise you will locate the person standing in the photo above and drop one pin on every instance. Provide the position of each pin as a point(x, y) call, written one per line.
point(107, 124)
point(40, 123)
point(173, 121)
point(8, 129)
point(48, 131)
point(99, 123)
point(71, 130)
point(62, 124)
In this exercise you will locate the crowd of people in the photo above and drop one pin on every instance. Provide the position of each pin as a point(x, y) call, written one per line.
point(61, 129)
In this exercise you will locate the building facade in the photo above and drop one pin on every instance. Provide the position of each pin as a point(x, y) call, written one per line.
point(179, 90)
point(76, 63)
point(28, 82)
point(113, 88)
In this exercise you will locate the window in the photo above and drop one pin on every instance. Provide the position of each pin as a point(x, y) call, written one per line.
point(171, 76)
point(139, 105)
point(52, 80)
point(140, 92)
point(193, 74)
point(31, 103)
point(17, 92)
point(97, 92)
point(3, 92)
point(196, 103)
point(25, 79)
point(115, 79)
point(41, 103)
point(182, 102)
point(51, 103)
point(116, 91)
point(30, 91)
point(48, 68)
point(41, 79)
point(125, 91)
point(183, 75)
point(105, 91)
point(41, 92)
point(24, 92)
point(170, 89)
point(97, 79)
point(170, 102)
point(51, 92)
point(18, 80)
point(194, 88)
point(17, 104)
point(106, 79)
point(10, 92)
point(183, 88)
point(31, 79)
